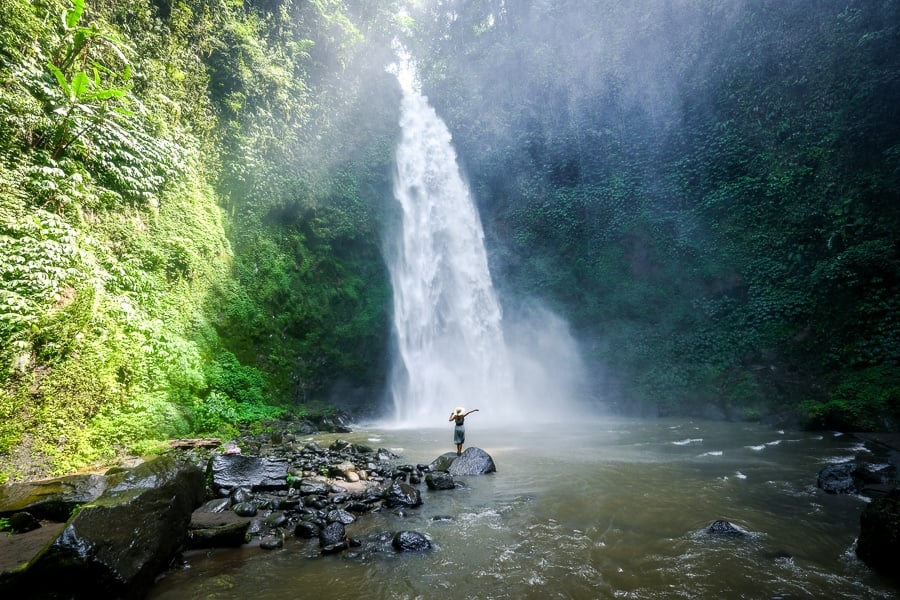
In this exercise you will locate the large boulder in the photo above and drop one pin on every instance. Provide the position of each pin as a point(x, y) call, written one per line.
point(473, 461)
point(400, 493)
point(219, 529)
point(116, 545)
point(879, 534)
point(440, 480)
point(855, 477)
point(233, 470)
point(839, 478)
point(52, 499)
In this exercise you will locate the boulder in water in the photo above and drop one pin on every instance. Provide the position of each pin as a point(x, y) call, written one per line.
point(332, 534)
point(473, 461)
point(879, 535)
point(440, 480)
point(402, 494)
point(724, 528)
point(410, 541)
point(839, 478)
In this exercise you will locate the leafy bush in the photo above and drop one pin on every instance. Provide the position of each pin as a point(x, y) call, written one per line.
point(867, 400)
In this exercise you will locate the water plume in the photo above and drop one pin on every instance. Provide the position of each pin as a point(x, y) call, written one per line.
point(451, 344)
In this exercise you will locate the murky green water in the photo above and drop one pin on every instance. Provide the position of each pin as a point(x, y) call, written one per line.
point(615, 509)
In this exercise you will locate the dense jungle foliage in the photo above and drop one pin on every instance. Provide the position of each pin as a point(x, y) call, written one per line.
point(193, 195)
point(189, 219)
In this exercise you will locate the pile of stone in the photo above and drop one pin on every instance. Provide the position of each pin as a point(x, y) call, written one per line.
point(110, 535)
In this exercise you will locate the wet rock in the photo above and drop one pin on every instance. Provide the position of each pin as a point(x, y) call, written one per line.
point(879, 535)
point(272, 543)
point(442, 462)
point(307, 530)
point(240, 495)
point(331, 534)
point(335, 548)
point(724, 528)
point(410, 541)
point(402, 494)
point(340, 516)
point(22, 522)
point(215, 505)
point(217, 530)
point(96, 555)
point(313, 486)
point(839, 478)
point(276, 519)
point(473, 461)
point(440, 480)
point(336, 423)
point(53, 499)
point(230, 471)
point(245, 509)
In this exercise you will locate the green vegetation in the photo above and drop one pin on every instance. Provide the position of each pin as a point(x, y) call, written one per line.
point(185, 245)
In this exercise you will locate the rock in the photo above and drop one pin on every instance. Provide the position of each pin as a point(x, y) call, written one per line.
point(334, 548)
point(217, 530)
point(52, 499)
point(307, 530)
point(216, 505)
point(402, 494)
point(879, 534)
point(839, 479)
point(340, 516)
point(410, 541)
point(272, 543)
point(724, 528)
point(313, 486)
point(440, 480)
point(240, 495)
point(473, 461)
point(331, 534)
point(22, 522)
point(116, 545)
point(335, 423)
point(230, 471)
point(442, 462)
point(276, 519)
point(245, 509)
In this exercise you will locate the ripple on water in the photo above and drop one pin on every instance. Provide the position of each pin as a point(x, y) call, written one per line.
point(688, 441)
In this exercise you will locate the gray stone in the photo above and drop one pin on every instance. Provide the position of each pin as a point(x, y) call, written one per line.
point(96, 556)
point(237, 470)
point(473, 461)
point(440, 480)
point(410, 541)
point(53, 499)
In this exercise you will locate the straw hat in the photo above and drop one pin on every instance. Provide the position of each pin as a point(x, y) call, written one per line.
point(458, 410)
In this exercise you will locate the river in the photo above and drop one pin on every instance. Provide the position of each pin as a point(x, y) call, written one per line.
point(608, 509)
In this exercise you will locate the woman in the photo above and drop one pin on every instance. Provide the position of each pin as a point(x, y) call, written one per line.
point(459, 414)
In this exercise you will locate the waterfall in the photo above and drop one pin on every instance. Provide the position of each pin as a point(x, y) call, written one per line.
point(453, 345)
point(447, 319)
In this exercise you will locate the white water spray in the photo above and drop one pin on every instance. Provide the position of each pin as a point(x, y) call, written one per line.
point(448, 321)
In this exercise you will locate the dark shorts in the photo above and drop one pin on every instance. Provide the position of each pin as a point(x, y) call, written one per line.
point(459, 435)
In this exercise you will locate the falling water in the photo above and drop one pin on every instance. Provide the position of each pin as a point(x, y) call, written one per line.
point(448, 321)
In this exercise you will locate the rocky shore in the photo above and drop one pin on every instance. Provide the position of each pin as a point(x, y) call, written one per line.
point(110, 535)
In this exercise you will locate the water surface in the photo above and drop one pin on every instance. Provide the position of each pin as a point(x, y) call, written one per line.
point(613, 509)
